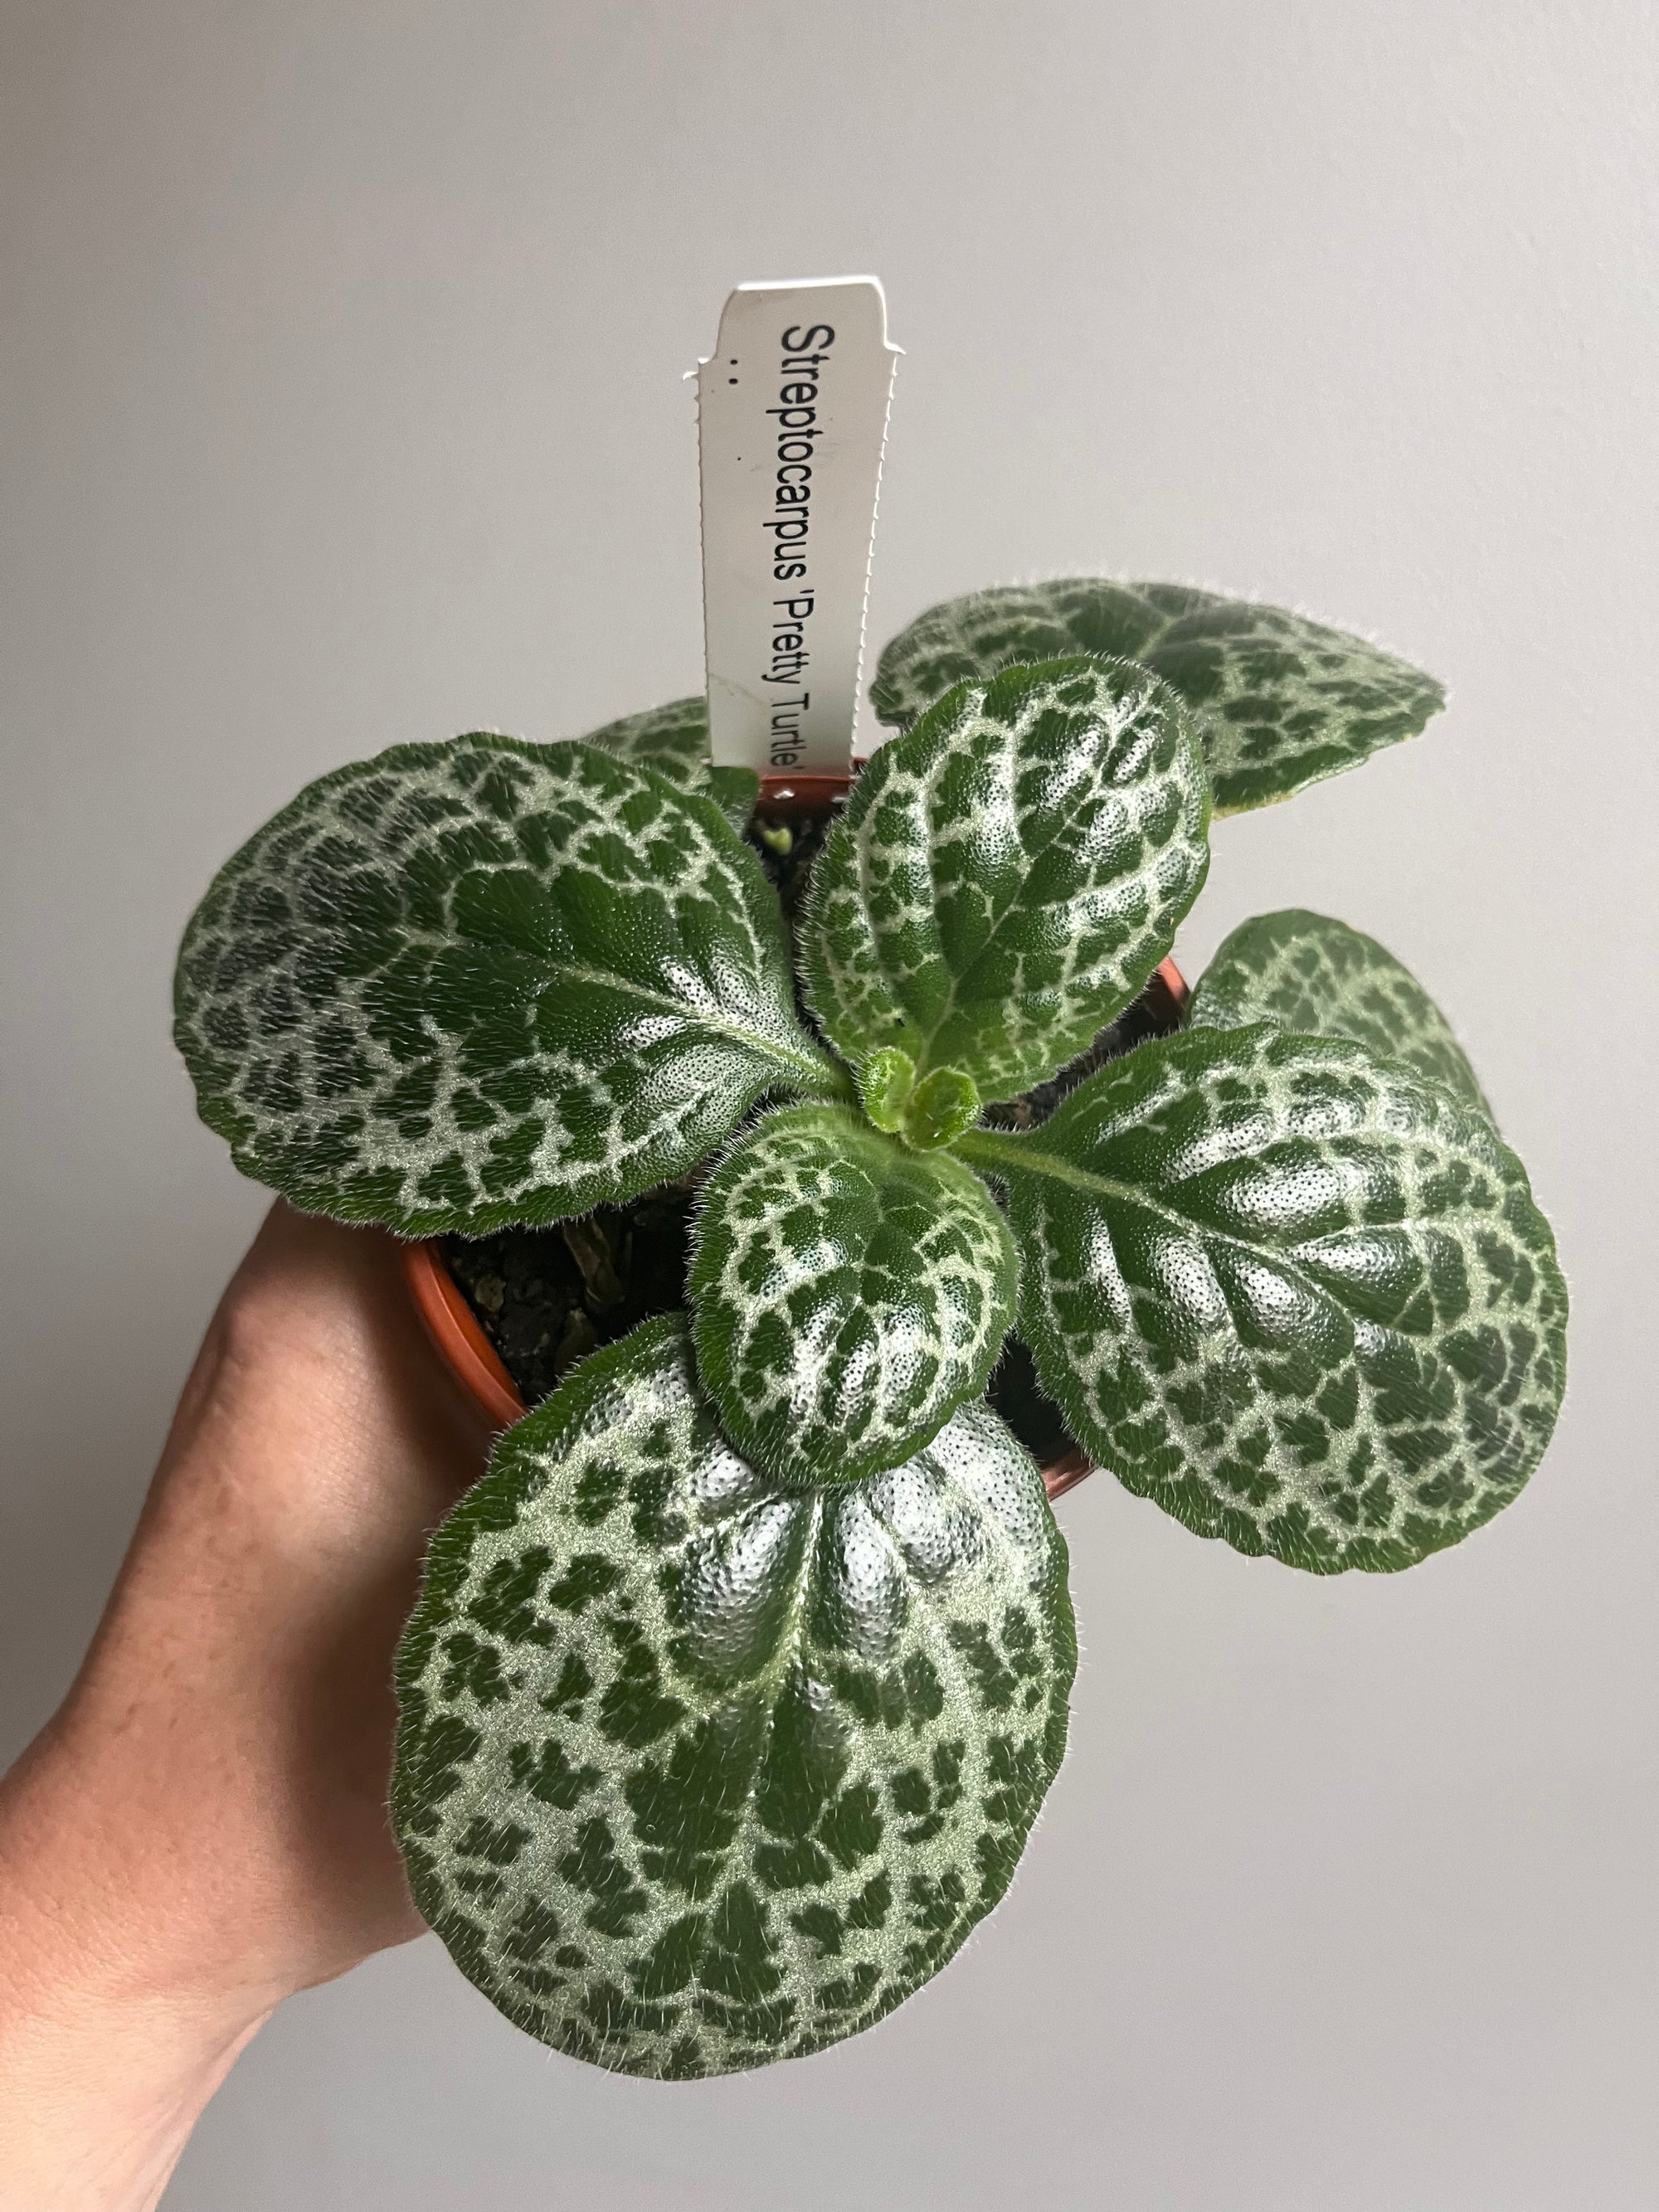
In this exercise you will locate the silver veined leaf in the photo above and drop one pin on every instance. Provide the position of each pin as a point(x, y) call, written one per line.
point(1281, 701)
point(485, 982)
point(672, 742)
point(849, 1293)
point(1297, 1295)
point(1310, 976)
point(1009, 872)
point(694, 1773)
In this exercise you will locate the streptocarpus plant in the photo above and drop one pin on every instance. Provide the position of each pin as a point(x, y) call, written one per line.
point(737, 1683)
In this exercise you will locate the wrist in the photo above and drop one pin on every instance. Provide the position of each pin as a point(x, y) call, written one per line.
point(203, 1828)
point(118, 2020)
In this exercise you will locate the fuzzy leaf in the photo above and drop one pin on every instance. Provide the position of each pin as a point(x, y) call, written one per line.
point(1280, 702)
point(848, 1294)
point(942, 1105)
point(466, 984)
point(926, 1115)
point(694, 1773)
point(1311, 976)
point(887, 1085)
point(1009, 872)
point(1299, 1297)
point(672, 741)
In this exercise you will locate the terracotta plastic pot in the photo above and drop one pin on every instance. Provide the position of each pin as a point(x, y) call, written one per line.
point(456, 1331)
point(454, 1328)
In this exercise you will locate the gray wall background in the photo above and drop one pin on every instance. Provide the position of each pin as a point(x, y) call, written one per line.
point(343, 341)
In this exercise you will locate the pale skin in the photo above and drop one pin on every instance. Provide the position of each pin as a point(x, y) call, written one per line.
point(201, 1829)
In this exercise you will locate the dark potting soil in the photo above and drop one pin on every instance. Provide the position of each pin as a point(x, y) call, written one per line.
point(546, 1298)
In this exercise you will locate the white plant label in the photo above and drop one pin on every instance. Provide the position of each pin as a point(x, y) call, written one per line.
point(792, 410)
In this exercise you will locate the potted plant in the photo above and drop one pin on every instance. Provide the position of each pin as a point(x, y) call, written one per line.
point(737, 1682)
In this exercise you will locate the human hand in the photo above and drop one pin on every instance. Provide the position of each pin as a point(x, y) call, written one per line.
point(201, 1829)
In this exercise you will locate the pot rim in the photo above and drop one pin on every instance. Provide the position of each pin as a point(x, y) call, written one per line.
point(458, 1334)
point(459, 1339)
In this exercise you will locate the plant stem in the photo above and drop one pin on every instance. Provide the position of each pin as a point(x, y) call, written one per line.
point(831, 1081)
point(987, 1148)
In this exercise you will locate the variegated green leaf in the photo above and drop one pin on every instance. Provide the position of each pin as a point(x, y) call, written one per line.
point(695, 1773)
point(672, 741)
point(848, 1293)
point(1300, 1298)
point(1009, 872)
point(467, 984)
point(1311, 976)
point(1281, 701)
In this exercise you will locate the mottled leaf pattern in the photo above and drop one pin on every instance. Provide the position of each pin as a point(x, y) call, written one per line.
point(848, 1294)
point(672, 741)
point(1281, 701)
point(485, 982)
point(693, 1773)
point(1311, 976)
point(1299, 1297)
point(1009, 872)
point(735, 1687)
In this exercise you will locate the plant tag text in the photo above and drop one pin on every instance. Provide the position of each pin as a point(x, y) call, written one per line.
point(791, 422)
